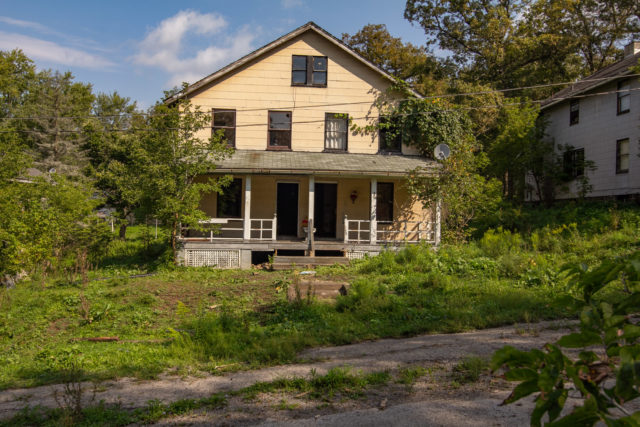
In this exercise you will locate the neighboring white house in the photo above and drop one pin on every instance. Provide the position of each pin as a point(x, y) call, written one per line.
point(599, 117)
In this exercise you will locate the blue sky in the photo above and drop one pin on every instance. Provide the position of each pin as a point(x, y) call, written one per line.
point(140, 48)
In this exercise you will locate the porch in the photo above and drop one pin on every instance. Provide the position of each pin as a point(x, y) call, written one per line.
point(347, 213)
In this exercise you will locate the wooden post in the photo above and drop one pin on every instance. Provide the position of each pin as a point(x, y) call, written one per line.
point(274, 227)
point(438, 217)
point(246, 235)
point(373, 225)
point(312, 251)
point(346, 229)
point(312, 199)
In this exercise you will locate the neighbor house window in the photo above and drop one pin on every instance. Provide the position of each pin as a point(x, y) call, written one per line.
point(573, 163)
point(390, 135)
point(384, 201)
point(624, 97)
point(230, 201)
point(225, 120)
point(336, 127)
point(279, 130)
point(574, 112)
point(309, 70)
point(622, 155)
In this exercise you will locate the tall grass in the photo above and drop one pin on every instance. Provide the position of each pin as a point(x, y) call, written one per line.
point(210, 320)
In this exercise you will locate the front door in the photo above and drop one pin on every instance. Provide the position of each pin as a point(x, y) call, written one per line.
point(287, 210)
point(325, 210)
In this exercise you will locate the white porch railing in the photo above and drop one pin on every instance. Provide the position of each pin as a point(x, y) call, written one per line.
point(359, 231)
point(233, 229)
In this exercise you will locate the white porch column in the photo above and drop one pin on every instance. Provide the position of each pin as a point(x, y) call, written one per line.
point(312, 199)
point(246, 232)
point(373, 224)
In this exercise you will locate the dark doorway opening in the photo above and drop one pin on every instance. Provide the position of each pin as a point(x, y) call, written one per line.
point(287, 210)
point(325, 216)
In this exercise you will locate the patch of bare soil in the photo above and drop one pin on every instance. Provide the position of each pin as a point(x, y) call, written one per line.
point(434, 399)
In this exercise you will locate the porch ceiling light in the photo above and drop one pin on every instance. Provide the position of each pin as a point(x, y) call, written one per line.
point(354, 196)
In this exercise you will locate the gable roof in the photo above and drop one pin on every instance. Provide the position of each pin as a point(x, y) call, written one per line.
point(309, 26)
point(601, 77)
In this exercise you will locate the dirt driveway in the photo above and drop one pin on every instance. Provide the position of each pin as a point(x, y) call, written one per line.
point(433, 399)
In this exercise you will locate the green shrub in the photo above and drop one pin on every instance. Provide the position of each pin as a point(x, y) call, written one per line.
point(500, 242)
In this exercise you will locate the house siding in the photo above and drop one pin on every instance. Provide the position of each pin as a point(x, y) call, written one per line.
point(265, 84)
point(597, 132)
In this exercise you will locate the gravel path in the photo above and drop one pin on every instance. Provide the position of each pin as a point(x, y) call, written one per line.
point(388, 354)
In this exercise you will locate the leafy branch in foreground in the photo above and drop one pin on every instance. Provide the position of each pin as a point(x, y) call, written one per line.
point(606, 373)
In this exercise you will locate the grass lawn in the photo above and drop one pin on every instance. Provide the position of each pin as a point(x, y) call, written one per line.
point(190, 321)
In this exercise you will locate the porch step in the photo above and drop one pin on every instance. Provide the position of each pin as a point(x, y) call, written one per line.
point(286, 262)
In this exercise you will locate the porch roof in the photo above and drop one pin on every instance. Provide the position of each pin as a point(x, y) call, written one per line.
point(312, 163)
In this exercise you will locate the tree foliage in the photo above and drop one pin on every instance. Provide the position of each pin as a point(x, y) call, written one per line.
point(177, 164)
point(609, 340)
point(413, 64)
point(511, 43)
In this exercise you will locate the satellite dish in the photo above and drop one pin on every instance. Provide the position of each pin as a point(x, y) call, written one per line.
point(441, 152)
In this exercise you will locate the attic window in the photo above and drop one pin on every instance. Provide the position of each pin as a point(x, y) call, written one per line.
point(574, 112)
point(624, 97)
point(309, 71)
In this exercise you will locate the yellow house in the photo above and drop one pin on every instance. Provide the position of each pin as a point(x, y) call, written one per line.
point(304, 183)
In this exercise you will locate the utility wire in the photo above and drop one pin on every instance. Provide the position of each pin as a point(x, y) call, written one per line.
point(315, 106)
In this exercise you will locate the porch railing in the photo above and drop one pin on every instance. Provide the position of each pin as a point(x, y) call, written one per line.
point(359, 231)
point(233, 229)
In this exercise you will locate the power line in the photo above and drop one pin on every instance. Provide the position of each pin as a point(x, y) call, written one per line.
point(150, 129)
point(315, 106)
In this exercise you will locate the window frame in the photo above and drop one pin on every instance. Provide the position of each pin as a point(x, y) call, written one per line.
point(619, 155)
point(327, 117)
point(574, 116)
point(237, 204)
point(380, 202)
point(573, 163)
point(620, 96)
point(269, 130)
point(309, 71)
point(214, 128)
point(383, 148)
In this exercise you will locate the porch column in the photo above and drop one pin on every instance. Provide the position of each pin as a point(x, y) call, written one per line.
point(246, 232)
point(373, 223)
point(312, 198)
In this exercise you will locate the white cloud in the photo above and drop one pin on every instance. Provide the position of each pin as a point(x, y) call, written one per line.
point(163, 46)
point(25, 24)
point(290, 4)
point(44, 50)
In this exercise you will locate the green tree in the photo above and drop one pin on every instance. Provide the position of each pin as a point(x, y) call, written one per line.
point(58, 108)
point(115, 153)
point(457, 183)
point(511, 43)
point(413, 64)
point(178, 164)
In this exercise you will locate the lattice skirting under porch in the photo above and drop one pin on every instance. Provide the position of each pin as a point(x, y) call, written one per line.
point(212, 258)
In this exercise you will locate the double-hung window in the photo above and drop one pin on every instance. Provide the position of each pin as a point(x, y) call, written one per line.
point(225, 121)
point(390, 135)
point(622, 155)
point(230, 201)
point(573, 163)
point(309, 70)
point(336, 129)
point(624, 97)
point(279, 130)
point(574, 112)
